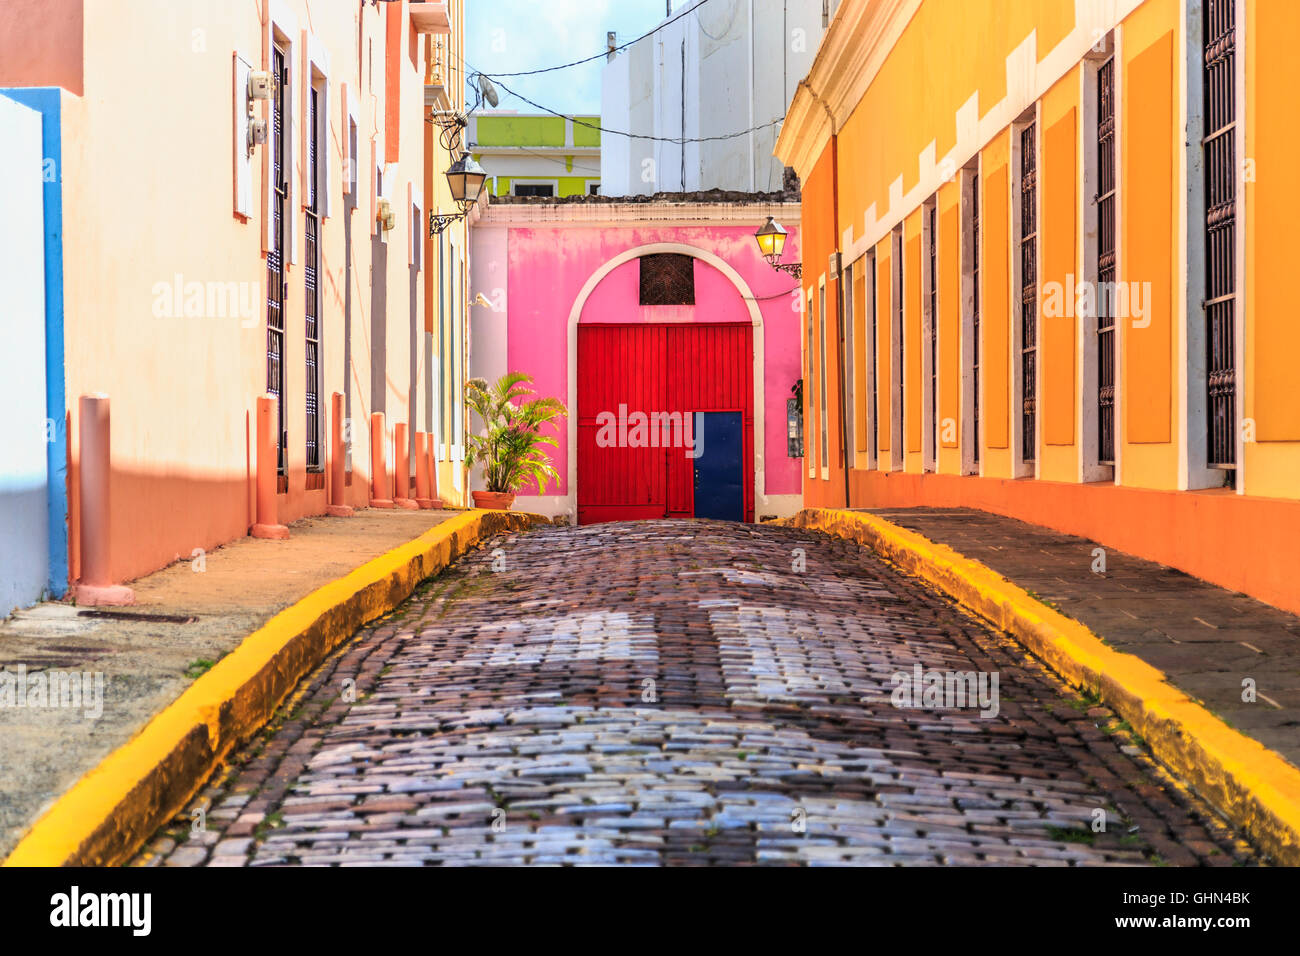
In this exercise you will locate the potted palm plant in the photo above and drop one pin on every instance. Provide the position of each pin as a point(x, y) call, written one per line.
point(511, 446)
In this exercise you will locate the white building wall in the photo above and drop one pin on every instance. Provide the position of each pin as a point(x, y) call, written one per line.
point(489, 261)
point(743, 60)
point(24, 485)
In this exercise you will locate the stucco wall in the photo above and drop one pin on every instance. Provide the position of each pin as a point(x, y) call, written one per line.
point(148, 176)
point(547, 267)
point(24, 546)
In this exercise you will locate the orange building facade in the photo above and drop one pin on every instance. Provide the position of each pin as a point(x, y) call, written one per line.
point(1045, 255)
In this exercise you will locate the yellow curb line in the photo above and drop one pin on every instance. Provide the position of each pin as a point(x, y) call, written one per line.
point(1251, 785)
point(113, 809)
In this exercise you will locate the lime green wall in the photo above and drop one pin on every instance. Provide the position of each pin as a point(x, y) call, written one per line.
point(585, 135)
point(534, 131)
point(520, 131)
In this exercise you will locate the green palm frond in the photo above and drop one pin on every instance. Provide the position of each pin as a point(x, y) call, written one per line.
point(510, 445)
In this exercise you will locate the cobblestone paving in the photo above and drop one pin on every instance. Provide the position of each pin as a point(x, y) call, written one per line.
point(674, 692)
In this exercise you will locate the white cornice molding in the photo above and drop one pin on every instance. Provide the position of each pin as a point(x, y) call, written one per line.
point(658, 214)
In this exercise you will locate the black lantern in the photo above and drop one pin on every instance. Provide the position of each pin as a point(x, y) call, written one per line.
point(466, 179)
point(771, 243)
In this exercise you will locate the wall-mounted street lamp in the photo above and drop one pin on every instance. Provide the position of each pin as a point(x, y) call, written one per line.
point(771, 243)
point(466, 179)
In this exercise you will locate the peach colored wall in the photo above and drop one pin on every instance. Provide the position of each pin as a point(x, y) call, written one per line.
point(148, 179)
point(41, 43)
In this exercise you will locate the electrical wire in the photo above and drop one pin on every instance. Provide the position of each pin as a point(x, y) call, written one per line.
point(606, 53)
point(678, 140)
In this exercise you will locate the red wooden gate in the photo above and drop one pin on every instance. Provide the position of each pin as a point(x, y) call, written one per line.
point(682, 369)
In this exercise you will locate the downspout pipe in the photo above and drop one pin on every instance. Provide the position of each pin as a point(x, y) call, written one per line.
point(839, 284)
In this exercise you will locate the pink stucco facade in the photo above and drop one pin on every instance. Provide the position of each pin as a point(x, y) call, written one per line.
point(567, 262)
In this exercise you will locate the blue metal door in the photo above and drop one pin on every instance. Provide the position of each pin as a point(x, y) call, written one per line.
point(719, 467)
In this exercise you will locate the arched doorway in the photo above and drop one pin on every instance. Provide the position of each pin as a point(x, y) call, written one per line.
point(665, 391)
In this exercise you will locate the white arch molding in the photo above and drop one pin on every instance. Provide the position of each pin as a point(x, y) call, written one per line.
point(568, 503)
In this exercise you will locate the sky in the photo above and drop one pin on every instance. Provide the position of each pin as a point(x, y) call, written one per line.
point(509, 36)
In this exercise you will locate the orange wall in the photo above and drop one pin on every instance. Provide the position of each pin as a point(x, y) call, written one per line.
point(1272, 207)
point(1241, 543)
point(948, 52)
point(958, 47)
point(817, 241)
point(995, 307)
point(1147, 241)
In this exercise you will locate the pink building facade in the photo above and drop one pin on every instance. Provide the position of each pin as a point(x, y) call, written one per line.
point(620, 308)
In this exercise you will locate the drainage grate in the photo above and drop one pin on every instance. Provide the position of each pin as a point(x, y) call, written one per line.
point(137, 616)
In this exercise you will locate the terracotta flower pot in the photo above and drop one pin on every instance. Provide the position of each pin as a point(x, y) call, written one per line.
point(493, 500)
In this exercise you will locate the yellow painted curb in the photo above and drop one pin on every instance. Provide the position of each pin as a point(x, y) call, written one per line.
point(113, 809)
point(1251, 785)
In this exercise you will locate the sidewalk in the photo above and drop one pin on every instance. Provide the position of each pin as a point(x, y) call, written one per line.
point(1205, 639)
point(184, 620)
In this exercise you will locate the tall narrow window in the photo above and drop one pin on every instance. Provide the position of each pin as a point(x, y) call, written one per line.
point(1106, 262)
point(275, 258)
point(809, 387)
point(311, 268)
point(443, 365)
point(1028, 292)
point(934, 338)
point(458, 353)
point(1220, 230)
point(975, 313)
point(821, 376)
point(898, 406)
point(850, 398)
point(873, 369)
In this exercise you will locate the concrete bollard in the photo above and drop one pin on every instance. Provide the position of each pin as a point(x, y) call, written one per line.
point(402, 461)
point(96, 585)
point(336, 508)
point(422, 497)
point(378, 464)
point(268, 517)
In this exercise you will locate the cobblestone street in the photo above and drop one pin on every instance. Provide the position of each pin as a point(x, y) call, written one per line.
point(684, 692)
